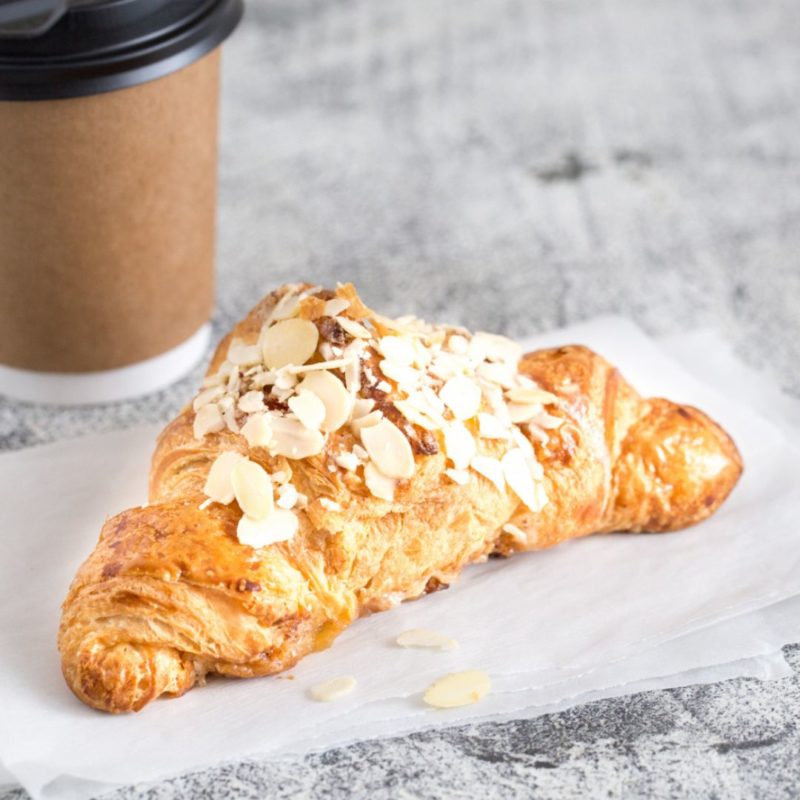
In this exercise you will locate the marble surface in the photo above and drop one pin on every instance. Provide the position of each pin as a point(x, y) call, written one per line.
point(514, 165)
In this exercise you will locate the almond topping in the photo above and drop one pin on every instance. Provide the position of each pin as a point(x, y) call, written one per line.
point(355, 329)
point(253, 489)
point(244, 355)
point(398, 349)
point(458, 689)
point(490, 427)
point(494, 347)
point(291, 341)
point(219, 486)
point(292, 439)
point(287, 496)
point(378, 484)
point(522, 413)
point(491, 469)
point(208, 419)
point(462, 396)
point(279, 526)
point(250, 402)
point(389, 449)
point(367, 421)
point(362, 406)
point(519, 478)
point(527, 395)
point(335, 306)
point(333, 689)
point(407, 378)
point(420, 637)
point(207, 396)
point(308, 408)
point(337, 402)
point(285, 307)
point(459, 476)
point(459, 445)
point(257, 431)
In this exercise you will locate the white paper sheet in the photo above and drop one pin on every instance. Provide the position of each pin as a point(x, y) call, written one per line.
point(591, 605)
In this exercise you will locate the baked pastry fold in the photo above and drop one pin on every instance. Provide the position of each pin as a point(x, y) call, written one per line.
point(336, 463)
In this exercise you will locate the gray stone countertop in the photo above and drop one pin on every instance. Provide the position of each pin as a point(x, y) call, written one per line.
point(515, 165)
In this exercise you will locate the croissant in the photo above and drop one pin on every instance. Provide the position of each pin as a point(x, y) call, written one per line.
point(336, 463)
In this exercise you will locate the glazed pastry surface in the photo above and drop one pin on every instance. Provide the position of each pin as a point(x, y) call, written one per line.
point(549, 446)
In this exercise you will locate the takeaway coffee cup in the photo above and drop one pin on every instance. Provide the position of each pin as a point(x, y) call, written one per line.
point(108, 157)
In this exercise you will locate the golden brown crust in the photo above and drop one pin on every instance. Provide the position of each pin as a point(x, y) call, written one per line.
point(169, 594)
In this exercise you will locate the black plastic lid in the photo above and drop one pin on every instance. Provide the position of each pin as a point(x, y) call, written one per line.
point(51, 49)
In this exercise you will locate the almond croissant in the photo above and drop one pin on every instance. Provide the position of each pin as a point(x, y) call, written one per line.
point(337, 462)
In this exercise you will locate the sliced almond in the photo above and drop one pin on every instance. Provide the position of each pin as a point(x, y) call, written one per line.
point(379, 484)
point(421, 637)
point(362, 406)
point(279, 526)
point(250, 402)
point(308, 408)
point(337, 402)
point(336, 363)
point(332, 689)
point(458, 344)
point(252, 488)
point(407, 378)
point(491, 469)
point(462, 396)
point(458, 689)
point(257, 430)
point(516, 532)
point(398, 349)
point(491, 427)
point(354, 328)
point(527, 395)
point(459, 476)
point(415, 417)
point(243, 355)
point(290, 341)
point(522, 413)
point(218, 485)
point(501, 374)
point(285, 307)
point(494, 347)
point(459, 445)
point(292, 439)
point(287, 496)
point(389, 448)
point(519, 478)
point(547, 421)
point(348, 461)
point(207, 396)
point(208, 419)
point(367, 421)
point(335, 306)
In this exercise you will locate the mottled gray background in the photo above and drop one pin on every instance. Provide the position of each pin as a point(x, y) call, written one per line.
point(514, 165)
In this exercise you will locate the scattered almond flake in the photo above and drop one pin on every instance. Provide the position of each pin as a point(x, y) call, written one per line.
point(367, 421)
point(494, 397)
point(302, 500)
point(218, 485)
point(252, 488)
point(384, 387)
point(516, 532)
point(207, 420)
point(234, 381)
point(493, 347)
point(422, 354)
point(459, 476)
point(330, 505)
point(337, 363)
point(519, 478)
point(250, 402)
point(285, 379)
point(458, 689)
point(243, 355)
point(335, 306)
point(491, 469)
point(362, 406)
point(280, 526)
point(207, 396)
point(527, 395)
point(433, 400)
point(406, 377)
point(547, 421)
point(389, 449)
point(336, 401)
point(537, 433)
point(462, 396)
point(229, 415)
point(522, 413)
point(421, 637)
point(360, 453)
point(262, 378)
point(292, 439)
point(332, 689)
point(257, 430)
point(287, 496)
point(354, 328)
point(459, 445)
point(490, 427)
point(204, 505)
point(281, 476)
point(289, 342)
point(347, 460)
point(501, 374)
point(379, 484)
point(445, 366)
point(519, 438)
point(416, 417)
point(541, 496)
point(398, 349)
point(326, 350)
point(458, 344)
point(285, 307)
point(308, 408)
